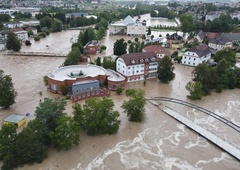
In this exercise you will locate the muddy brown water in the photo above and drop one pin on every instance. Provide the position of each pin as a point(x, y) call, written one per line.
point(159, 143)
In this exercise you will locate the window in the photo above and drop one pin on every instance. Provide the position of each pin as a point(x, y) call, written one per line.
point(129, 67)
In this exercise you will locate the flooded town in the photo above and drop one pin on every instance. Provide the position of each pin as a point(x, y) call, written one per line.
point(160, 142)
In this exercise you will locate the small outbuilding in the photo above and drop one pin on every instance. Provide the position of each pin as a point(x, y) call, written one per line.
point(16, 119)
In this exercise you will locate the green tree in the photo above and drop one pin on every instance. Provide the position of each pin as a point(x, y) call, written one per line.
point(8, 136)
point(135, 106)
point(66, 133)
point(98, 61)
point(187, 23)
point(88, 35)
point(165, 70)
point(46, 22)
point(119, 90)
point(57, 25)
point(64, 89)
point(7, 91)
point(32, 148)
point(149, 31)
point(195, 89)
point(97, 116)
point(5, 17)
point(73, 57)
point(120, 47)
point(49, 111)
point(228, 54)
point(13, 43)
point(108, 63)
point(201, 73)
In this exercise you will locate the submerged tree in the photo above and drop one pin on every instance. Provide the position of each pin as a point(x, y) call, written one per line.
point(13, 43)
point(165, 70)
point(97, 116)
point(135, 106)
point(7, 91)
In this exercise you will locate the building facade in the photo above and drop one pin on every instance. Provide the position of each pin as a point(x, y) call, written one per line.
point(138, 66)
point(219, 43)
point(196, 55)
point(92, 47)
point(158, 50)
point(128, 26)
point(87, 84)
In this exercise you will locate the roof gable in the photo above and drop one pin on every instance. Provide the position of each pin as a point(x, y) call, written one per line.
point(128, 20)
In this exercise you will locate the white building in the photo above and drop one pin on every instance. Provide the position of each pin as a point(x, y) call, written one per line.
point(11, 25)
point(196, 55)
point(128, 26)
point(138, 66)
point(219, 43)
point(21, 34)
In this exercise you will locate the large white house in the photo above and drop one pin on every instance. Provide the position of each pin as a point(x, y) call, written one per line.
point(219, 43)
point(138, 66)
point(128, 26)
point(196, 55)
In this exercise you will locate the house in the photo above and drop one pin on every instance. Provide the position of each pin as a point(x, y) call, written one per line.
point(234, 37)
point(34, 30)
point(92, 47)
point(21, 34)
point(128, 26)
point(13, 24)
point(138, 66)
point(196, 55)
point(201, 36)
point(15, 119)
point(2, 44)
point(158, 50)
point(219, 43)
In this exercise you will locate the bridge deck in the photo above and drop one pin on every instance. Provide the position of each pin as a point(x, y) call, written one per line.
point(225, 145)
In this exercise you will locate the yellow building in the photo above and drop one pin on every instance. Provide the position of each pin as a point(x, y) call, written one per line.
point(16, 119)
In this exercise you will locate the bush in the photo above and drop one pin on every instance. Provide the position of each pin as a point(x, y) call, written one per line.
point(119, 90)
point(64, 89)
point(219, 89)
point(43, 34)
point(45, 79)
point(37, 38)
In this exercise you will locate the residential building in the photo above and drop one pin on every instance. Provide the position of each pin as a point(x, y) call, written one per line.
point(196, 55)
point(92, 47)
point(2, 44)
point(21, 34)
point(13, 24)
point(128, 26)
point(34, 30)
point(219, 43)
point(138, 66)
point(158, 50)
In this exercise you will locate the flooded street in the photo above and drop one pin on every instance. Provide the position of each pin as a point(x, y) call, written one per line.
point(160, 142)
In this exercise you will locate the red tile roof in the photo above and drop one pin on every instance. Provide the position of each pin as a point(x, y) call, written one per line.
point(157, 49)
point(30, 29)
point(17, 29)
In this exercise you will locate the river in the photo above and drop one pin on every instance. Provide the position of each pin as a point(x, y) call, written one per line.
point(160, 142)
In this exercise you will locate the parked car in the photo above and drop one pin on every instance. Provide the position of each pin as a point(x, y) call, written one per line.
point(28, 42)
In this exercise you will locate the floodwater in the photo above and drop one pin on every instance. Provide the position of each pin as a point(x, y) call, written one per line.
point(160, 142)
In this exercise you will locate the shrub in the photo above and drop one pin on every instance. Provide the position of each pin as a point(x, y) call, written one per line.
point(119, 90)
point(42, 34)
point(45, 79)
point(64, 89)
point(37, 38)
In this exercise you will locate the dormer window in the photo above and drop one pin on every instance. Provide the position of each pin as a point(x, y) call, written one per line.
point(133, 61)
point(141, 60)
point(153, 59)
point(146, 59)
